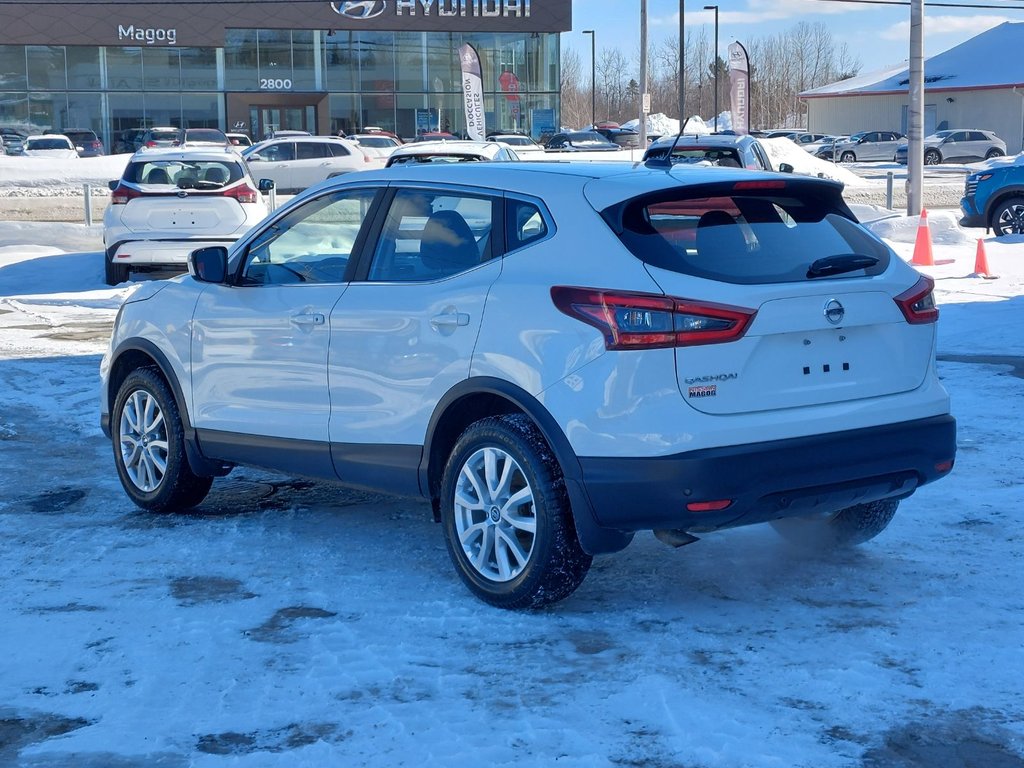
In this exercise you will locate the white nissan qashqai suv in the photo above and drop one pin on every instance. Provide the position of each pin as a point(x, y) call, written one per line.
point(555, 355)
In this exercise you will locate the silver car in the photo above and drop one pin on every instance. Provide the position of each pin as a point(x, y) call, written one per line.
point(868, 145)
point(964, 145)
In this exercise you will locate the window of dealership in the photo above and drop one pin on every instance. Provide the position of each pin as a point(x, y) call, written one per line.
point(320, 80)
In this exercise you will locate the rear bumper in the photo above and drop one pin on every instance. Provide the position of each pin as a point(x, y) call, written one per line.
point(770, 480)
point(162, 252)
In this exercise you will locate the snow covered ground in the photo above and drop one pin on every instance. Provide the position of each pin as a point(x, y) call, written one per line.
point(286, 623)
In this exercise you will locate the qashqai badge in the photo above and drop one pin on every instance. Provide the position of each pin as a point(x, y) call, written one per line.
point(834, 312)
point(360, 9)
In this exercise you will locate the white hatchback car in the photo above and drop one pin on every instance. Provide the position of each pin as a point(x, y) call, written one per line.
point(171, 201)
point(456, 151)
point(51, 146)
point(294, 163)
point(556, 355)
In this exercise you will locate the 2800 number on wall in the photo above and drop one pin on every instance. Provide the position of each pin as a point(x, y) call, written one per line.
point(275, 84)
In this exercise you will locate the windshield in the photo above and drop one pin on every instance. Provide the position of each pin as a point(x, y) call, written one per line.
point(727, 233)
point(34, 144)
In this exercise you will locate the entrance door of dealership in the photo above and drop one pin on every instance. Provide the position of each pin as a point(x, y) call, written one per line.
point(260, 114)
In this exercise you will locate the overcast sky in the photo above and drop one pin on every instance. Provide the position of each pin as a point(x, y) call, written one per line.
point(877, 35)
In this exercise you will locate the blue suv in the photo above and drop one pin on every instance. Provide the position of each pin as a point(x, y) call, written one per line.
point(994, 199)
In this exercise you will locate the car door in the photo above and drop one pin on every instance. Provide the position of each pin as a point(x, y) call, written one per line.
point(276, 162)
point(955, 146)
point(312, 163)
point(260, 345)
point(405, 330)
point(976, 145)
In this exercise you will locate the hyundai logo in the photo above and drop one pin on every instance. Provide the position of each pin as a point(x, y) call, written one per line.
point(360, 9)
point(834, 311)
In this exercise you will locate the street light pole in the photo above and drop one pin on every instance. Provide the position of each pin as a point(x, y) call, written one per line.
point(715, 9)
point(682, 67)
point(593, 79)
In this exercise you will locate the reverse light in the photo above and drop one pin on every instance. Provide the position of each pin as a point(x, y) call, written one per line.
point(123, 194)
point(918, 302)
point(651, 321)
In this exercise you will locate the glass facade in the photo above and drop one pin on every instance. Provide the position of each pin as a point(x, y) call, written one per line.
point(336, 81)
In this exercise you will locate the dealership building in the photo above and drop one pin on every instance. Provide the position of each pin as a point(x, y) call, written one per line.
point(257, 66)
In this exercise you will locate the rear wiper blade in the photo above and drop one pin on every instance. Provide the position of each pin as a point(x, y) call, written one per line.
point(837, 265)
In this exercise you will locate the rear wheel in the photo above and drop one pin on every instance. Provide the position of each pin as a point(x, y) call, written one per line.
point(506, 516)
point(932, 157)
point(848, 157)
point(845, 528)
point(115, 274)
point(993, 153)
point(149, 446)
point(1008, 217)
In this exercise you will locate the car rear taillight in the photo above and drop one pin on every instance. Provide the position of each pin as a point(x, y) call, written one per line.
point(918, 303)
point(652, 321)
point(123, 194)
point(243, 193)
point(150, 143)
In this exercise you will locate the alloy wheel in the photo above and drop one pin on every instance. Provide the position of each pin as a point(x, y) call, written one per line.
point(1011, 219)
point(495, 518)
point(142, 434)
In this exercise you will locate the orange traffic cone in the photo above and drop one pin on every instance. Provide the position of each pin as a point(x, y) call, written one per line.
point(981, 263)
point(923, 245)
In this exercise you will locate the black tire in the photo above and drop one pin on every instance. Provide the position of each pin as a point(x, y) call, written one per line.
point(847, 157)
point(932, 157)
point(115, 274)
point(1008, 217)
point(549, 562)
point(845, 528)
point(993, 153)
point(140, 448)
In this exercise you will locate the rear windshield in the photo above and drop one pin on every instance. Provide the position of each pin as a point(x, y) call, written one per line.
point(205, 134)
point(48, 144)
point(185, 174)
point(745, 237)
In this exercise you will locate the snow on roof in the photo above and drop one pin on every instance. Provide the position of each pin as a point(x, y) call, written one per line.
point(989, 60)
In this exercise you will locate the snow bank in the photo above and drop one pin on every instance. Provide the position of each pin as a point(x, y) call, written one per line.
point(43, 177)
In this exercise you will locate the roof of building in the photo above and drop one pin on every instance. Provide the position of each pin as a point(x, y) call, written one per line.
point(989, 60)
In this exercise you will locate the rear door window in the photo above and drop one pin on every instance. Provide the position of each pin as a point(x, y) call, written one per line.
point(745, 235)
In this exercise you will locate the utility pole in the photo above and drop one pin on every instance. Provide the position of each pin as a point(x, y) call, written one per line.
point(643, 74)
point(915, 112)
point(593, 77)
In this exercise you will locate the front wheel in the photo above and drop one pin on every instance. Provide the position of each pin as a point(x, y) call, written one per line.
point(506, 515)
point(149, 446)
point(845, 528)
point(1008, 218)
point(848, 157)
point(931, 157)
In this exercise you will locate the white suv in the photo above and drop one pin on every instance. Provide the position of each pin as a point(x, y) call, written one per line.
point(170, 201)
point(555, 355)
point(294, 163)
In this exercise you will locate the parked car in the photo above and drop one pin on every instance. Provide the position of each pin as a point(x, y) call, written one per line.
point(375, 144)
point(824, 149)
point(13, 142)
point(580, 141)
point(964, 145)
point(994, 199)
point(377, 130)
point(724, 149)
point(868, 145)
point(457, 151)
point(86, 142)
point(204, 137)
point(161, 138)
point(436, 136)
point(55, 146)
point(446, 331)
point(520, 144)
point(782, 133)
point(295, 162)
point(620, 136)
point(806, 139)
point(170, 201)
point(239, 140)
point(285, 133)
point(128, 141)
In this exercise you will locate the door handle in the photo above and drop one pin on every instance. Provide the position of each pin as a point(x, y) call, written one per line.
point(307, 319)
point(450, 320)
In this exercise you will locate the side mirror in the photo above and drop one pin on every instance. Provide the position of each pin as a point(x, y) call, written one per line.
point(112, 185)
point(265, 185)
point(785, 168)
point(254, 157)
point(209, 265)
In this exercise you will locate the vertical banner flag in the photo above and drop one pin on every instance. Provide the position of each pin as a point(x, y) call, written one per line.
point(472, 91)
point(739, 88)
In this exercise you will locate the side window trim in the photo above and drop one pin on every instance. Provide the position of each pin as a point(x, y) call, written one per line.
point(545, 214)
